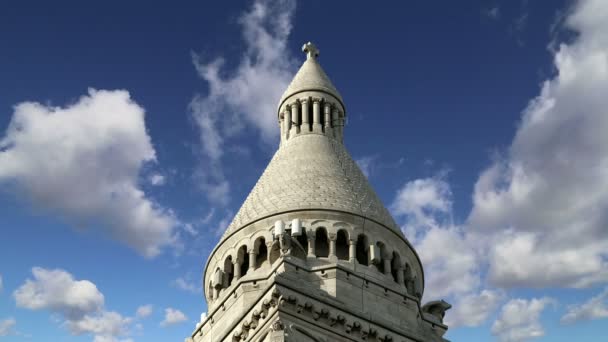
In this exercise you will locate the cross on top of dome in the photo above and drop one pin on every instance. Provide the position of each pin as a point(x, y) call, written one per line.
point(311, 50)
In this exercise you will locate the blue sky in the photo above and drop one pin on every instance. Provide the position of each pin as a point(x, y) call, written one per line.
point(130, 133)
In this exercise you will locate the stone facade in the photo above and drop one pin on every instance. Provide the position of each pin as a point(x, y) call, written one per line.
point(313, 254)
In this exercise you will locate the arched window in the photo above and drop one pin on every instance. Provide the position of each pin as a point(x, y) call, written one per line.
point(342, 245)
point(362, 248)
point(228, 272)
point(321, 243)
point(243, 258)
point(262, 252)
point(396, 266)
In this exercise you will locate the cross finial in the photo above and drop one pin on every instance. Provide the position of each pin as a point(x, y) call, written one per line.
point(311, 50)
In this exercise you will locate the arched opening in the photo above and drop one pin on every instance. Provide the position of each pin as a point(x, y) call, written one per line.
point(396, 266)
point(262, 255)
point(228, 272)
point(303, 241)
point(321, 243)
point(342, 245)
point(362, 248)
point(243, 258)
point(310, 115)
point(382, 251)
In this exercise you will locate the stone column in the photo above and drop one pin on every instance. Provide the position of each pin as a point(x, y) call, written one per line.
point(295, 121)
point(387, 264)
point(311, 244)
point(332, 246)
point(400, 275)
point(305, 125)
point(268, 250)
point(286, 121)
point(237, 270)
point(352, 250)
point(252, 257)
point(316, 115)
point(327, 120)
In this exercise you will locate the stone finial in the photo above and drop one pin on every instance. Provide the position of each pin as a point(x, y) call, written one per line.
point(311, 50)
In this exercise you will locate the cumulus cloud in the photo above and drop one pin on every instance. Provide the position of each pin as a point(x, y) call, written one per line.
point(144, 311)
point(6, 326)
point(173, 316)
point(58, 291)
point(105, 326)
point(472, 310)
point(79, 302)
point(450, 263)
point(247, 96)
point(82, 161)
point(550, 190)
point(519, 319)
point(594, 308)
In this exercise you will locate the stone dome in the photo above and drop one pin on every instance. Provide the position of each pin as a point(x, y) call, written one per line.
point(312, 172)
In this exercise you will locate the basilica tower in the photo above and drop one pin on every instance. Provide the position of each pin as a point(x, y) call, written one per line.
point(313, 254)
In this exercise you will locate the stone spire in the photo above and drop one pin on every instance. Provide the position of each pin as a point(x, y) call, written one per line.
point(313, 254)
point(315, 172)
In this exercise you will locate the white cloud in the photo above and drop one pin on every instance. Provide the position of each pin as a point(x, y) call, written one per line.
point(449, 260)
point(519, 319)
point(173, 316)
point(1, 283)
point(78, 301)
point(6, 326)
point(83, 161)
point(105, 326)
point(423, 202)
point(157, 179)
point(473, 309)
point(550, 191)
point(245, 98)
point(144, 311)
point(58, 291)
point(183, 284)
point(594, 308)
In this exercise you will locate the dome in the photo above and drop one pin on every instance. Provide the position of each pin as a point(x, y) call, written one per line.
point(312, 172)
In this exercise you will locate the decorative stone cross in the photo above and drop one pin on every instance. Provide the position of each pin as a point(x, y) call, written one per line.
point(311, 50)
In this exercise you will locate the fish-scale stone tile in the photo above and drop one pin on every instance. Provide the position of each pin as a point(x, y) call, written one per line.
point(312, 171)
